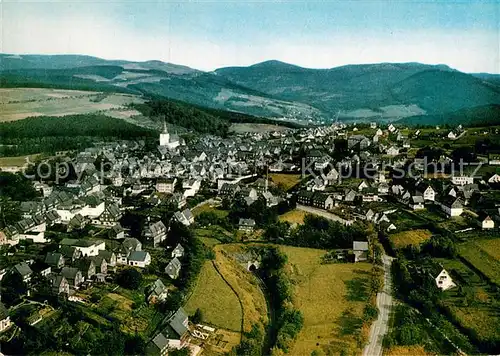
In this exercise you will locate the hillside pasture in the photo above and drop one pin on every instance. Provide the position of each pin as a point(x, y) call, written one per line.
point(213, 296)
point(244, 283)
point(20, 103)
point(227, 294)
point(294, 217)
point(331, 298)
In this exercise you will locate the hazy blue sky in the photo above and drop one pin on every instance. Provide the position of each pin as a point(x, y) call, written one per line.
point(211, 34)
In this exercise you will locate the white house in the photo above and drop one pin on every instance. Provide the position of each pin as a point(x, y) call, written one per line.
point(451, 206)
point(462, 180)
point(139, 259)
point(427, 191)
point(178, 251)
point(486, 222)
point(444, 281)
point(392, 151)
point(494, 179)
point(86, 247)
point(166, 185)
point(452, 135)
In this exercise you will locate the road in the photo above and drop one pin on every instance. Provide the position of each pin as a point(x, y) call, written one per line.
point(323, 213)
point(384, 303)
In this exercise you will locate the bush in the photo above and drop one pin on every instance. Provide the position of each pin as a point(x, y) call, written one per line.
point(129, 278)
point(370, 313)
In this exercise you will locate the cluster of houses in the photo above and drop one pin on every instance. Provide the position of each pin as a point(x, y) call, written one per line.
point(175, 172)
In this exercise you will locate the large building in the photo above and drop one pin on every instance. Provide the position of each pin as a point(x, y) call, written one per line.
point(168, 141)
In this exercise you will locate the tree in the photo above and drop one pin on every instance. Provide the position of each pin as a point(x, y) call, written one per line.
point(180, 352)
point(16, 187)
point(13, 288)
point(129, 278)
point(197, 316)
point(10, 213)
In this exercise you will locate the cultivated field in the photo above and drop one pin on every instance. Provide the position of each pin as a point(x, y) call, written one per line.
point(331, 298)
point(219, 304)
point(475, 307)
point(490, 246)
point(484, 255)
point(287, 180)
point(20, 103)
point(410, 237)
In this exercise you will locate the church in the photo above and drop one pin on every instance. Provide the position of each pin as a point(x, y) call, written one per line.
point(168, 141)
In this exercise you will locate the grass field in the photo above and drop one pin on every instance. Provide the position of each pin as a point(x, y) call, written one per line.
point(490, 246)
point(18, 161)
point(20, 103)
point(484, 255)
point(208, 208)
point(407, 351)
point(410, 237)
point(293, 217)
point(287, 180)
point(218, 303)
point(214, 234)
point(331, 298)
point(244, 283)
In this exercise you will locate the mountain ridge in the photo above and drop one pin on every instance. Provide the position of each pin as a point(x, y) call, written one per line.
point(275, 89)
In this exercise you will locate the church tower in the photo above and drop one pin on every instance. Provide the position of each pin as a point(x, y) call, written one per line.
point(164, 136)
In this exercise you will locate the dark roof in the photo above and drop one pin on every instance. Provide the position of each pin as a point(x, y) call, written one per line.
point(69, 251)
point(23, 269)
point(52, 258)
point(158, 287)
point(69, 272)
point(138, 256)
point(178, 322)
point(160, 341)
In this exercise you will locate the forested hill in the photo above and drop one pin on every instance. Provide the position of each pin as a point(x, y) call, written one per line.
point(72, 125)
point(486, 115)
point(199, 119)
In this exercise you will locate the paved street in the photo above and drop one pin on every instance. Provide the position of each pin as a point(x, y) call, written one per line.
point(321, 212)
point(384, 303)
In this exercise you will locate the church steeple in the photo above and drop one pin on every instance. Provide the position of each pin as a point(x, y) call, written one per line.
point(164, 126)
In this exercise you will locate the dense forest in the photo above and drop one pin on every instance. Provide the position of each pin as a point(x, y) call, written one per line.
point(72, 125)
point(51, 134)
point(200, 119)
point(183, 115)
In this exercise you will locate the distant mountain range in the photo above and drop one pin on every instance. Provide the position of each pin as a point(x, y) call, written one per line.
point(385, 91)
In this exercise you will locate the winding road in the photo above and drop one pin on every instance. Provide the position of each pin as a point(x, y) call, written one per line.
point(323, 213)
point(384, 303)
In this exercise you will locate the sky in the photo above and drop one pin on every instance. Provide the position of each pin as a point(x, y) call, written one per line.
point(211, 34)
